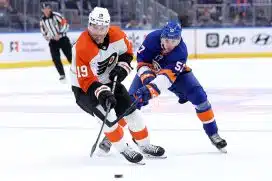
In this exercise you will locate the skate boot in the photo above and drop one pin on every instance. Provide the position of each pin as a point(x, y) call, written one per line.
point(151, 151)
point(105, 145)
point(62, 79)
point(218, 142)
point(132, 156)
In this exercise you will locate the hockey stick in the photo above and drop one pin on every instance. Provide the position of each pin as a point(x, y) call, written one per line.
point(130, 108)
point(108, 105)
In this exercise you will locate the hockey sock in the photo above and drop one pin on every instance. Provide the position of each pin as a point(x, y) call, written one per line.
point(122, 122)
point(137, 128)
point(209, 123)
point(115, 136)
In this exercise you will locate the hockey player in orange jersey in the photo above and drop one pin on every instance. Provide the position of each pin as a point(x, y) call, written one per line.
point(101, 53)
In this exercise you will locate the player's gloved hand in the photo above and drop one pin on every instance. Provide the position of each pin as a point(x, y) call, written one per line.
point(140, 102)
point(146, 93)
point(105, 96)
point(121, 70)
point(147, 76)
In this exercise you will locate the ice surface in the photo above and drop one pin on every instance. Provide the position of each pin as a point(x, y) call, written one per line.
point(44, 136)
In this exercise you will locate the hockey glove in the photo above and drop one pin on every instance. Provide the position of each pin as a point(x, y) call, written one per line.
point(105, 96)
point(121, 70)
point(147, 76)
point(140, 102)
point(146, 93)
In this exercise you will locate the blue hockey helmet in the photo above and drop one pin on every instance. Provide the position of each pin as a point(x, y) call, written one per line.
point(172, 30)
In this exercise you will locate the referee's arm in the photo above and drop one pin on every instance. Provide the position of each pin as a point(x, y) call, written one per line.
point(63, 22)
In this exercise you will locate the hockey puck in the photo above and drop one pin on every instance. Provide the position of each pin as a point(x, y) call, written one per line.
point(118, 176)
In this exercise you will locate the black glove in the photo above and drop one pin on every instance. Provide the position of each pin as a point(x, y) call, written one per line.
point(121, 70)
point(105, 96)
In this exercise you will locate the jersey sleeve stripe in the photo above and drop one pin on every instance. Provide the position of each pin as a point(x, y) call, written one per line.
point(141, 64)
point(169, 74)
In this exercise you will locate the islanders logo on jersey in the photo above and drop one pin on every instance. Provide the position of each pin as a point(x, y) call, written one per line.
point(156, 64)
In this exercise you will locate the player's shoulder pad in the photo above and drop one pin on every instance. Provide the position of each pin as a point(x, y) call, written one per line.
point(152, 39)
point(116, 33)
point(85, 44)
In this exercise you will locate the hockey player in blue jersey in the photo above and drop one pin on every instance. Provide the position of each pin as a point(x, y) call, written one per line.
point(162, 66)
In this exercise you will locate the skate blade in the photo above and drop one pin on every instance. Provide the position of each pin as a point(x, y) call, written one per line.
point(63, 81)
point(102, 153)
point(223, 150)
point(147, 156)
point(140, 163)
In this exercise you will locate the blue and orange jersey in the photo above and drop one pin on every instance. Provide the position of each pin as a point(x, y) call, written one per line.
point(151, 55)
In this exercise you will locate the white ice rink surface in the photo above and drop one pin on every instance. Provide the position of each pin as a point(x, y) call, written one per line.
point(44, 136)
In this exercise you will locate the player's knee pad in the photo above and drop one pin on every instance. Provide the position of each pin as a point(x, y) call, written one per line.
point(100, 113)
point(137, 128)
point(135, 121)
point(202, 107)
point(197, 95)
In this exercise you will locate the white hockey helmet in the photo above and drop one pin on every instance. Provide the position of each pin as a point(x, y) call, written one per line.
point(99, 16)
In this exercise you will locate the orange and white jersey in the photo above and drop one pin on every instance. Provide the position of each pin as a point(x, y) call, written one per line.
point(91, 63)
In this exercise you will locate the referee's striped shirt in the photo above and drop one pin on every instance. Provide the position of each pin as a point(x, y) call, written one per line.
point(53, 25)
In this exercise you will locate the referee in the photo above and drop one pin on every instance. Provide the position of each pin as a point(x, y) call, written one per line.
point(53, 28)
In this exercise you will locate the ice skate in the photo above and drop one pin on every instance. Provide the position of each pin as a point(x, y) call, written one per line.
point(105, 145)
point(219, 143)
point(133, 156)
point(62, 79)
point(151, 151)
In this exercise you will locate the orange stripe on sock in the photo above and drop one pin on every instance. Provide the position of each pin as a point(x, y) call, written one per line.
point(115, 135)
point(122, 122)
point(206, 116)
point(139, 135)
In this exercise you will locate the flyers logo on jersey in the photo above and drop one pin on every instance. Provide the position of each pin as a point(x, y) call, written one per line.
point(102, 66)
